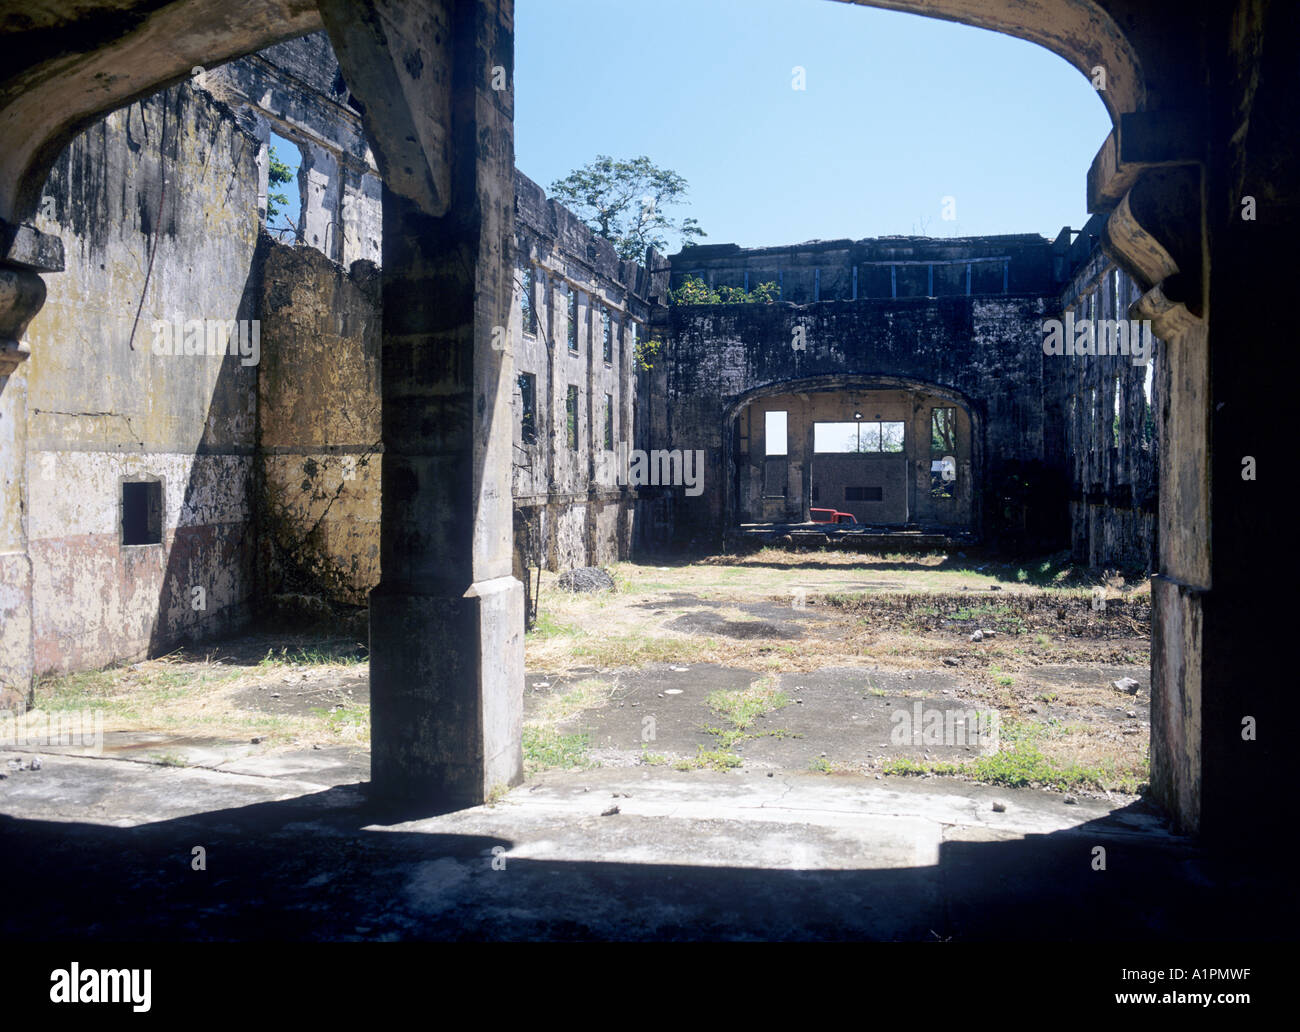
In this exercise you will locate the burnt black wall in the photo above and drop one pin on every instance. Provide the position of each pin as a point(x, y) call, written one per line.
point(986, 350)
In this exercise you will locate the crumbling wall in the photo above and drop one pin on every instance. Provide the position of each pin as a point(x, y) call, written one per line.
point(318, 434)
point(985, 350)
point(566, 480)
point(296, 89)
point(881, 267)
point(156, 207)
point(1107, 406)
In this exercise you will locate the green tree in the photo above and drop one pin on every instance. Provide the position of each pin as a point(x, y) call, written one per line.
point(278, 173)
point(625, 202)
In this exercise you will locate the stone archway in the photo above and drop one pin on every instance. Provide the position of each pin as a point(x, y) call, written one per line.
point(976, 447)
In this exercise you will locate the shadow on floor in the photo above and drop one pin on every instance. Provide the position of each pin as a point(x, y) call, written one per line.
point(319, 867)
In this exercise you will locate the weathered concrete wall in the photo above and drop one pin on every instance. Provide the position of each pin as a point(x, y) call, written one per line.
point(586, 517)
point(319, 531)
point(16, 658)
point(297, 90)
point(1106, 407)
point(850, 270)
point(983, 352)
point(318, 426)
point(104, 407)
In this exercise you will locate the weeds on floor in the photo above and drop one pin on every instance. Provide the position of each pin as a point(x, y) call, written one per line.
point(710, 759)
point(1020, 763)
point(740, 708)
point(331, 653)
point(546, 748)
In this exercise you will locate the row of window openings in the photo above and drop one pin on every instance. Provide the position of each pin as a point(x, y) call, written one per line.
point(955, 277)
point(607, 328)
point(875, 437)
point(1147, 429)
point(861, 436)
point(1090, 302)
point(528, 413)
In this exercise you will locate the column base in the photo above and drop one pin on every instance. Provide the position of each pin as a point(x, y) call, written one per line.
point(446, 694)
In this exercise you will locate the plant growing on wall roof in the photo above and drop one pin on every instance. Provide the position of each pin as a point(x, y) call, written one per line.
point(626, 202)
point(645, 351)
point(694, 291)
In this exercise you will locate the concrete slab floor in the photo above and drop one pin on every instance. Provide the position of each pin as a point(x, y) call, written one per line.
point(294, 850)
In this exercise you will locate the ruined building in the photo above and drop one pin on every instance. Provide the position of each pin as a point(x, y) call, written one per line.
point(129, 479)
point(904, 381)
point(224, 433)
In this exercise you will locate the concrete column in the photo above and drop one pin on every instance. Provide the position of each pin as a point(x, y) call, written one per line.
point(446, 621)
point(24, 254)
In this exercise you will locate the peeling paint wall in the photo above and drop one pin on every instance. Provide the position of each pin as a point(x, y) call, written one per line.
point(15, 564)
point(318, 426)
point(156, 207)
point(319, 394)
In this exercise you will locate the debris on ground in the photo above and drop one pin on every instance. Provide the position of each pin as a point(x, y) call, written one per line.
point(585, 579)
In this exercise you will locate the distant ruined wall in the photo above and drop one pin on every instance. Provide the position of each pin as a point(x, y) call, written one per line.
point(1107, 406)
point(986, 349)
point(565, 478)
point(898, 266)
point(104, 409)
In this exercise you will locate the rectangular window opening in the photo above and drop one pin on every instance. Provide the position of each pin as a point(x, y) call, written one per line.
point(573, 320)
point(142, 512)
point(571, 416)
point(528, 408)
point(943, 453)
point(864, 494)
point(858, 438)
point(609, 422)
point(943, 431)
point(526, 305)
point(774, 435)
point(1114, 416)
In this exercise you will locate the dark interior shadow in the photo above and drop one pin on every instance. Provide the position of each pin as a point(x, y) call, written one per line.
point(318, 867)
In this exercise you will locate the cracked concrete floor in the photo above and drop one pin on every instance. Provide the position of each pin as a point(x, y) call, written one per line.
point(294, 851)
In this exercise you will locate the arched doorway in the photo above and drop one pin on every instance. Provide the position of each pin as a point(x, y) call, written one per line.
point(890, 451)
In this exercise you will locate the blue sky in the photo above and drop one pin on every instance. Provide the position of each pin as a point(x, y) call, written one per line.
point(898, 112)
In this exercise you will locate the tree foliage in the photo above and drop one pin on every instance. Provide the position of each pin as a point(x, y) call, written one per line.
point(625, 202)
point(278, 173)
point(694, 291)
